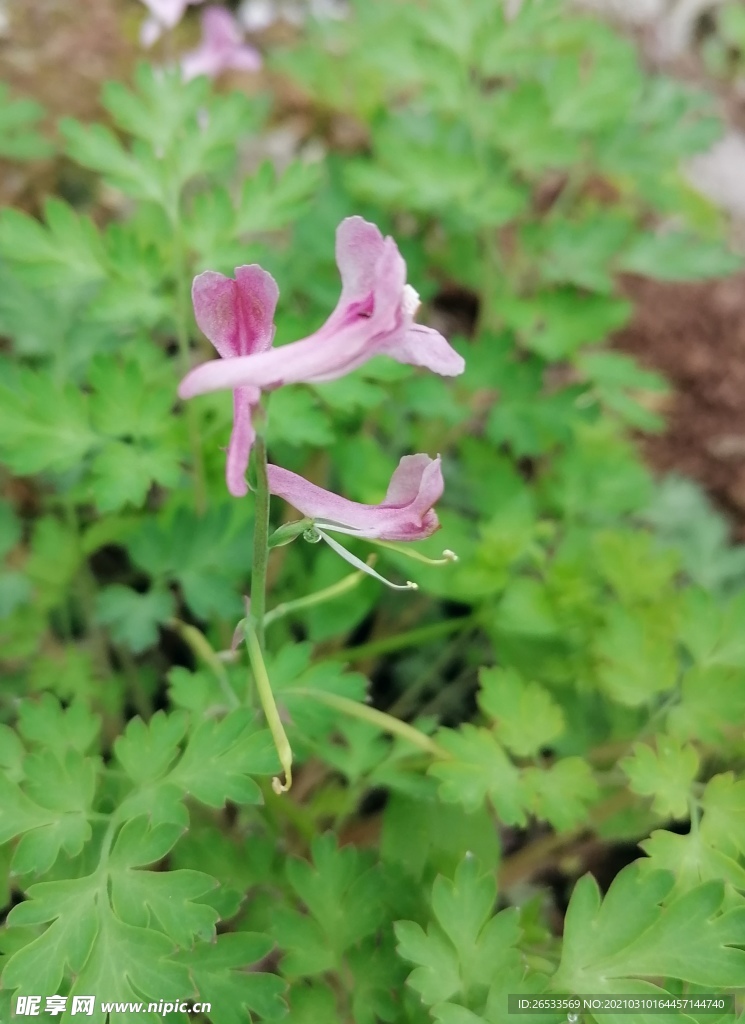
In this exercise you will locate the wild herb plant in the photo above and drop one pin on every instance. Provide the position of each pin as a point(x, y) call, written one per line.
point(579, 671)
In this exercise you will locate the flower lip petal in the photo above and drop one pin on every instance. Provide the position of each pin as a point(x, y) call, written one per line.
point(236, 315)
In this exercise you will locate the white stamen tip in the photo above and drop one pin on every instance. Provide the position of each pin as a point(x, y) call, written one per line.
point(449, 555)
point(410, 585)
point(410, 301)
point(278, 786)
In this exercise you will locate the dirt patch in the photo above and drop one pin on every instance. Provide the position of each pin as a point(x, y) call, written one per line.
point(59, 53)
point(695, 335)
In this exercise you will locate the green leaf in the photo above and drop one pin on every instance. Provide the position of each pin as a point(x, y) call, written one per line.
point(676, 256)
point(636, 655)
point(127, 964)
point(221, 756)
point(654, 570)
point(437, 975)
point(133, 618)
point(723, 823)
point(67, 253)
point(122, 474)
point(556, 323)
point(691, 859)
point(167, 900)
point(290, 670)
point(44, 426)
point(479, 770)
point(711, 698)
point(629, 935)
point(219, 973)
point(50, 813)
point(269, 202)
point(97, 148)
point(462, 907)
point(18, 138)
point(147, 750)
point(69, 908)
point(624, 388)
point(44, 723)
point(299, 419)
point(526, 718)
point(562, 793)
point(460, 952)
point(525, 609)
point(341, 892)
point(666, 773)
point(204, 554)
point(711, 630)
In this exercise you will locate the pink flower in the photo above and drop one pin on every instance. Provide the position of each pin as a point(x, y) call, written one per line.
point(405, 514)
point(164, 14)
point(237, 316)
point(221, 49)
point(374, 315)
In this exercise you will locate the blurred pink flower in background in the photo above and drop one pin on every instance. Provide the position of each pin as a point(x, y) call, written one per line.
point(164, 14)
point(222, 47)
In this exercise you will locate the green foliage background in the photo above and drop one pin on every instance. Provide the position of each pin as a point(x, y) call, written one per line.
point(581, 670)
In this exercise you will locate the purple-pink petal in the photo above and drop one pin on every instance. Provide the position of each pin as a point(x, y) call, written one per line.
point(405, 514)
point(236, 315)
point(426, 347)
point(241, 440)
point(359, 246)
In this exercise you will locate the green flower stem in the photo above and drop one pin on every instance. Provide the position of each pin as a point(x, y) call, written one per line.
point(269, 706)
point(399, 641)
point(377, 718)
point(261, 529)
point(319, 597)
point(202, 648)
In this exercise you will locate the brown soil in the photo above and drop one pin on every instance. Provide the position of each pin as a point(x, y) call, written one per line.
point(59, 53)
point(694, 334)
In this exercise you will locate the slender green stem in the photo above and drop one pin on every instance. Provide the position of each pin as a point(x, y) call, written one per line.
point(261, 528)
point(202, 648)
point(377, 718)
point(327, 594)
point(412, 638)
point(269, 706)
